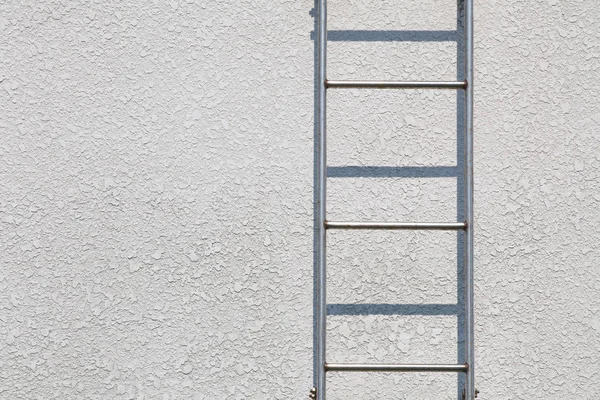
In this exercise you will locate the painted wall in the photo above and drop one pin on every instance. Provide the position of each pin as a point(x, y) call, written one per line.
point(156, 199)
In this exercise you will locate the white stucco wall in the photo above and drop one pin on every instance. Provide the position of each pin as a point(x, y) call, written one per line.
point(156, 200)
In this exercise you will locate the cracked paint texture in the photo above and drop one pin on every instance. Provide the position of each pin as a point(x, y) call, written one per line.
point(156, 199)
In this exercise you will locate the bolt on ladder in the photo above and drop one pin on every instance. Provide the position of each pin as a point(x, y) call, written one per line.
point(322, 365)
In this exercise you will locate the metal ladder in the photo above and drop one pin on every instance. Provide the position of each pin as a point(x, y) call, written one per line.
point(322, 365)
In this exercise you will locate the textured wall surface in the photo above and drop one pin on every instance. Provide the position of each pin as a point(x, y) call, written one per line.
point(156, 199)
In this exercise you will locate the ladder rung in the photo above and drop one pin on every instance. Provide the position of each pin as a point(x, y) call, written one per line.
point(397, 367)
point(438, 226)
point(394, 85)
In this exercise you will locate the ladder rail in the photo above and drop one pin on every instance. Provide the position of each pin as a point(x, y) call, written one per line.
point(470, 392)
point(321, 308)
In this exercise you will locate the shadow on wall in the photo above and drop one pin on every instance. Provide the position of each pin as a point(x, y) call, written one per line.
point(398, 172)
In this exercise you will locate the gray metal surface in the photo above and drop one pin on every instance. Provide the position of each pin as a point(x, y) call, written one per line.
point(338, 84)
point(321, 308)
point(469, 258)
point(439, 226)
point(363, 367)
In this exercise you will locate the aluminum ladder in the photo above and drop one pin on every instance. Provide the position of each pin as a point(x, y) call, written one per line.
point(322, 364)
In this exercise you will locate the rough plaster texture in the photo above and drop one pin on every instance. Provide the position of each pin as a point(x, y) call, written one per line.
point(156, 199)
